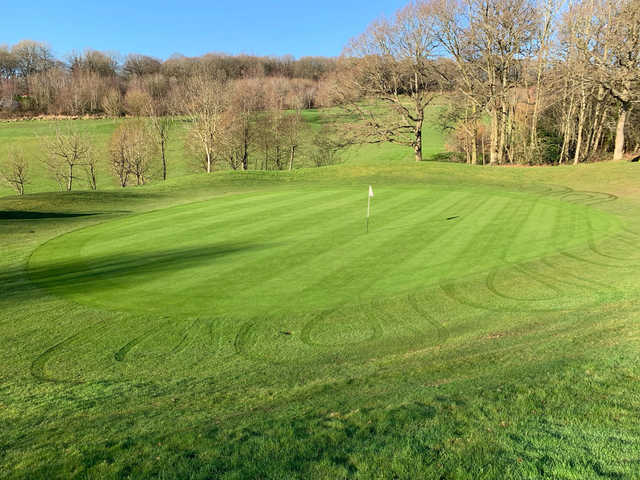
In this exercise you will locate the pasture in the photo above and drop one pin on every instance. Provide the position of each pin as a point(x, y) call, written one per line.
point(244, 325)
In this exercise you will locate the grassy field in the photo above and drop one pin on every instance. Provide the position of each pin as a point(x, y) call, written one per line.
point(28, 136)
point(244, 325)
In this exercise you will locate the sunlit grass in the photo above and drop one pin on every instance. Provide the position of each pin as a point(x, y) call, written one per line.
point(243, 325)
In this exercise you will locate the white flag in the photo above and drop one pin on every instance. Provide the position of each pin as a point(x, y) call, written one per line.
point(370, 191)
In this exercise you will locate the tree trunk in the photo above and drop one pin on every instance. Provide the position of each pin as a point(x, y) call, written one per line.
point(494, 158)
point(417, 146)
point(474, 135)
point(583, 107)
point(566, 109)
point(484, 149)
point(618, 153)
point(467, 151)
point(566, 129)
point(598, 136)
point(417, 150)
point(509, 147)
point(542, 58)
point(503, 129)
point(533, 139)
point(92, 178)
point(292, 154)
point(70, 179)
point(474, 146)
point(596, 119)
point(504, 120)
point(164, 160)
point(245, 153)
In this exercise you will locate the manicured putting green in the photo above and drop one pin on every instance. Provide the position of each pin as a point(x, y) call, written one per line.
point(246, 255)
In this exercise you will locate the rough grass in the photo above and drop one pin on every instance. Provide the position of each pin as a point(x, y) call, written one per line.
point(242, 325)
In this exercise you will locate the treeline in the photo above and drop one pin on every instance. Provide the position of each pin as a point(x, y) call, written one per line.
point(241, 124)
point(33, 81)
point(516, 82)
point(524, 81)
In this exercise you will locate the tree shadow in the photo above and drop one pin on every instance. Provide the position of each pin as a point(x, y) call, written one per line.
point(78, 274)
point(31, 215)
point(449, 157)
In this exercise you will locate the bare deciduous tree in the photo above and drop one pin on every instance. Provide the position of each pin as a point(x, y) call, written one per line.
point(161, 122)
point(130, 151)
point(91, 169)
point(136, 101)
point(325, 147)
point(16, 171)
point(67, 148)
point(112, 103)
point(32, 57)
point(392, 63)
point(8, 63)
point(205, 104)
point(245, 100)
point(292, 134)
point(119, 156)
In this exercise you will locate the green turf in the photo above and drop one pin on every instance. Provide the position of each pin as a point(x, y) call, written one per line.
point(276, 253)
point(244, 325)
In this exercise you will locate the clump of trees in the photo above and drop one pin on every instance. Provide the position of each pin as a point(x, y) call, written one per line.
point(523, 81)
point(231, 120)
point(394, 64)
point(513, 81)
point(229, 124)
point(131, 151)
point(601, 41)
point(67, 153)
point(33, 81)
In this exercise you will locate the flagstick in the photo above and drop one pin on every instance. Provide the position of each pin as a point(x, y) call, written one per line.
point(368, 211)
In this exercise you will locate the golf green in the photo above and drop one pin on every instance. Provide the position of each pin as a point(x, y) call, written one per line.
point(287, 251)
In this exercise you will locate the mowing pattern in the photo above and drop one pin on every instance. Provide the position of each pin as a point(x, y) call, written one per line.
point(291, 278)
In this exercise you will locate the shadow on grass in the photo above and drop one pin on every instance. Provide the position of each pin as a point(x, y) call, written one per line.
point(30, 215)
point(71, 200)
point(449, 157)
point(78, 274)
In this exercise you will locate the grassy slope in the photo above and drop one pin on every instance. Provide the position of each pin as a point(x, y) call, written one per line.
point(526, 369)
point(27, 136)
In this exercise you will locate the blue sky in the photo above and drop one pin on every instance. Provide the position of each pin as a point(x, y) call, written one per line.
point(192, 27)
